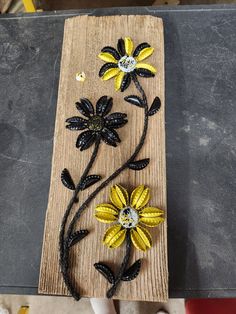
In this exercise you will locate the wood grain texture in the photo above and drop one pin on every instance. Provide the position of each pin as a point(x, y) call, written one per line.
point(84, 37)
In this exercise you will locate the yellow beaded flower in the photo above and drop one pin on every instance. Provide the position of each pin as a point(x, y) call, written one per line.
point(129, 214)
point(124, 62)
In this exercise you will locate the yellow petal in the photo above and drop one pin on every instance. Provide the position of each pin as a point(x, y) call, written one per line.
point(123, 194)
point(128, 45)
point(107, 57)
point(118, 197)
point(145, 235)
point(110, 73)
point(151, 212)
point(144, 198)
point(118, 239)
point(136, 195)
point(145, 53)
point(151, 222)
point(22, 310)
point(110, 233)
point(105, 217)
point(118, 80)
point(146, 66)
point(140, 197)
point(106, 208)
point(137, 240)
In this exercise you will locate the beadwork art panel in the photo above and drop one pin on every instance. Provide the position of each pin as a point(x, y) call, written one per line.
point(109, 148)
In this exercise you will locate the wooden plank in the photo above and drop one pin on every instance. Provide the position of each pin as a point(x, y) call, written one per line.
point(84, 37)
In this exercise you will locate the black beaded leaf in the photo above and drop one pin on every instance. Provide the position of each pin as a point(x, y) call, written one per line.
point(134, 100)
point(85, 107)
point(105, 271)
point(103, 106)
point(132, 272)
point(144, 72)
point(155, 106)
point(77, 236)
point(112, 51)
point(139, 48)
point(89, 180)
point(67, 180)
point(106, 67)
point(139, 164)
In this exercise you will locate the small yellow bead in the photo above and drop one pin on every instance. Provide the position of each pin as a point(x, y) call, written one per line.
point(80, 76)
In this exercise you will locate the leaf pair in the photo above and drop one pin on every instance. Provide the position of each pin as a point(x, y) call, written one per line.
point(137, 101)
point(68, 182)
point(130, 274)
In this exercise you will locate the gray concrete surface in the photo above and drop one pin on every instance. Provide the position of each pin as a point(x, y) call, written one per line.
point(200, 54)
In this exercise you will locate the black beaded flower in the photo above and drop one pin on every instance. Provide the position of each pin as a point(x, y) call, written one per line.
point(124, 62)
point(99, 124)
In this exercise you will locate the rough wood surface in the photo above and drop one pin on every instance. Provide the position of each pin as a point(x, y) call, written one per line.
point(84, 37)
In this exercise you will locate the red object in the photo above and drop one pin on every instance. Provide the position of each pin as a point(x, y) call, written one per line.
point(210, 306)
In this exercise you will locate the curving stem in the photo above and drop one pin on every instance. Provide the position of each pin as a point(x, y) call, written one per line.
point(123, 267)
point(74, 199)
point(64, 261)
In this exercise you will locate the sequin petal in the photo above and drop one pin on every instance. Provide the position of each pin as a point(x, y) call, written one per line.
point(151, 222)
point(145, 235)
point(107, 208)
point(137, 240)
point(105, 217)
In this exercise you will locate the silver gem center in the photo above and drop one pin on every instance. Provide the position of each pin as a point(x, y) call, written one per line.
point(128, 217)
point(127, 64)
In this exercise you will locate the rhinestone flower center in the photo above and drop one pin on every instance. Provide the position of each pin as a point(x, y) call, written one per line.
point(128, 217)
point(96, 123)
point(127, 64)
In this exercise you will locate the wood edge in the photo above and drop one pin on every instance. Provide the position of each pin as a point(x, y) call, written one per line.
point(110, 16)
point(64, 57)
point(164, 169)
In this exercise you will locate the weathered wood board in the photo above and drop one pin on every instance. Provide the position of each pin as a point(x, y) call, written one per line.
point(84, 37)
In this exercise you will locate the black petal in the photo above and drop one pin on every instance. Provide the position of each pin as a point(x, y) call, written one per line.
point(103, 106)
point(85, 107)
point(139, 48)
point(106, 67)
point(116, 123)
point(116, 115)
point(156, 105)
point(144, 72)
point(125, 82)
point(116, 120)
point(67, 180)
point(85, 140)
point(111, 134)
point(121, 47)
point(76, 123)
point(110, 137)
point(112, 51)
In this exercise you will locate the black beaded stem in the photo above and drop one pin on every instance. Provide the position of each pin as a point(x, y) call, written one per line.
point(123, 266)
point(74, 199)
point(63, 242)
